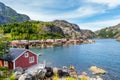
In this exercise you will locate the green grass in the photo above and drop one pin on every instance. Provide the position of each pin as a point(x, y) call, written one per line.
point(7, 73)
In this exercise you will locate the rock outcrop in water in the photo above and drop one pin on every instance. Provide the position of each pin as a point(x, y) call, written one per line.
point(7, 15)
point(118, 38)
point(97, 70)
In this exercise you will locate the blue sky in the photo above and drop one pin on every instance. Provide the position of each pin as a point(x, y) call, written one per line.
point(88, 14)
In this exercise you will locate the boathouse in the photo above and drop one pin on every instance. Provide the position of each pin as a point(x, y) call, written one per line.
point(18, 57)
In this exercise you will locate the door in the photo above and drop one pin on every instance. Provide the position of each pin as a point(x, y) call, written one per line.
point(6, 63)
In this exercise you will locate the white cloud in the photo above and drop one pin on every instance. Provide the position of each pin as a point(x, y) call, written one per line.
point(35, 9)
point(109, 3)
point(41, 4)
point(99, 24)
point(78, 13)
point(38, 10)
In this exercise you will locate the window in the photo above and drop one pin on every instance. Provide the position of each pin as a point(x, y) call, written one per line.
point(31, 59)
point(26, 54)
point(6, 63)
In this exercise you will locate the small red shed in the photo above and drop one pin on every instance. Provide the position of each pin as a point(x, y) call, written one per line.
point(6, 63)
point(18, 57)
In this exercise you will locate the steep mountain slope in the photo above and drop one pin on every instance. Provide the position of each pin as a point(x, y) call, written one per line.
point(73, 30)
point(64, 28)
point(7, 15)
point(109, 32)
point(45, 30)
point(88, 33)
point(31, 30)
point(70, 30)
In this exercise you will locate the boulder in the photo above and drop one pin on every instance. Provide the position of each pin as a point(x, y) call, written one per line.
point(97, 70)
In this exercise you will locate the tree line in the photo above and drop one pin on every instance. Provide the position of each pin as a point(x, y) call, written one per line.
point(28, 30)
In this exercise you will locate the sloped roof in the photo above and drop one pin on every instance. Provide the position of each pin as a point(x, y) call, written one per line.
point(16, 52)
point(6, 57)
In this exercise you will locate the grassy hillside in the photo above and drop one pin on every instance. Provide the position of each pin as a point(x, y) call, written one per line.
point(109, 32)
point(31, 30)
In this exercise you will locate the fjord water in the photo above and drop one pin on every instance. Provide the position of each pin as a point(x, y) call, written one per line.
point(104, 53)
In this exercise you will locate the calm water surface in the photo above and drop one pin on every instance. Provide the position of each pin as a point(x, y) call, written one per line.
point(104, 53)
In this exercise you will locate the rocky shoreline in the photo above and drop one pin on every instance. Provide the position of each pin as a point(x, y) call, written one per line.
point(118, 39)
point(49, 43)
point(48, 73)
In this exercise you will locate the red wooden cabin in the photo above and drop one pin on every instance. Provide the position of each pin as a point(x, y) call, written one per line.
point(23, 58)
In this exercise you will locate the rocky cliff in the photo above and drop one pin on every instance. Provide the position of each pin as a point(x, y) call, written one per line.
point(7, 15)
point(88, 33)
point(70, 30)
point(73, 30)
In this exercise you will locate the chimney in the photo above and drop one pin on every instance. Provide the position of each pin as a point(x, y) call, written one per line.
point(26, 46)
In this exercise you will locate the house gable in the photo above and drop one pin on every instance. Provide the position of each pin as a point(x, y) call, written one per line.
point(24, 62)
point(24, 53)
point(16, 52)
point(19, 56)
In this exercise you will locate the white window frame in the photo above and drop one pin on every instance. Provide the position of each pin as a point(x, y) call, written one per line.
point(26, 54)
point(31, 59)
point(6, 63)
